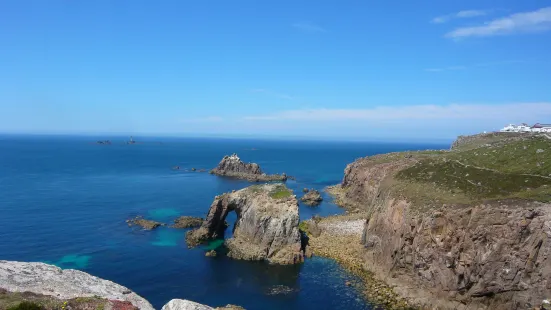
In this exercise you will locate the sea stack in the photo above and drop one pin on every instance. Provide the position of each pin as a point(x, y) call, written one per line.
point(266, 227)
point(232, 166)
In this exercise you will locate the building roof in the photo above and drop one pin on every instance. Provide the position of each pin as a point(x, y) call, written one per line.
point(538, 125)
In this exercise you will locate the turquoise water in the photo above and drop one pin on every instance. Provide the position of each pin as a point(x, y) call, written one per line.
point(64, 200)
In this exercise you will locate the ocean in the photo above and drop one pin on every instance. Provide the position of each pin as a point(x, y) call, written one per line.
point(64, 200)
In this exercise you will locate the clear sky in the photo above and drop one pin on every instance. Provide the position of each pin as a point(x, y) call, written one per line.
point(335, 69)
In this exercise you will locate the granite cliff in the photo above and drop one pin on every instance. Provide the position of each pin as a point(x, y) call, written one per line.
point(463, 229)
point(266, 226)
point(232, 166)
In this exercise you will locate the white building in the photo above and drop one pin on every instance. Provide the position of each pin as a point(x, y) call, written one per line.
point(525, 128)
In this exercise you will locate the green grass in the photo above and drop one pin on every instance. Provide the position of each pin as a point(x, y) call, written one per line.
point(511, 157)
point(303, 226)
point(505, 169)
point(26, 305)
point(280, 192)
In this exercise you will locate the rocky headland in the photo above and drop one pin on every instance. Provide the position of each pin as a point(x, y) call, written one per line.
point(312, 198)
point(46, 287)
point(468, 228)
point(266, 227)
point(232, 166)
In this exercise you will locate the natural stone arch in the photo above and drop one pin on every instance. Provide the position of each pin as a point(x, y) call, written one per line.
point(266, 226)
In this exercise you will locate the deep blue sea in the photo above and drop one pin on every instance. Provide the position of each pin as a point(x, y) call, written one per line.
point(64, 200)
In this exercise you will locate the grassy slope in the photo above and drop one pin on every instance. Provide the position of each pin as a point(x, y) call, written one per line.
point(488, 168)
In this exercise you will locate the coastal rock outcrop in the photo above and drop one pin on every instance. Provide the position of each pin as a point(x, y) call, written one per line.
point(266, 226)
point(232, 166)
point(312, 198)
point(63, 284)
point(457, 230)
point(143, 223)
point(187, 222)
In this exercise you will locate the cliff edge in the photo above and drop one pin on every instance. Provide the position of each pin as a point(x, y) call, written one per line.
point(266, 226)
point(466, 227)
point(232, 166)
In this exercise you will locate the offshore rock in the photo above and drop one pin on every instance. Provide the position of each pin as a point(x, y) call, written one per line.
point(232, 166)
point(266, 226)
point(312, 198)
point(187, 222)
point(48, 280)
point(145, 224)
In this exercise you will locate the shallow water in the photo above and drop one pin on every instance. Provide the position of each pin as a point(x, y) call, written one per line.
point(64, 200)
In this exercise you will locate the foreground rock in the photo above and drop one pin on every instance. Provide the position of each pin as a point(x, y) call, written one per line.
point(266, 226)
point(33, 280)
point(182, 304)
point(145, 224)
point(312, 198)
point(187, 222)
point(232, 166)
point(463, 229)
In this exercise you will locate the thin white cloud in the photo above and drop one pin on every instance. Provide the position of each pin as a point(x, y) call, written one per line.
point(208, 119)
point(458, 112)
point(534, 21)
point(273, 93)
point(465, 67)
point(308, 27)
point(461, 14)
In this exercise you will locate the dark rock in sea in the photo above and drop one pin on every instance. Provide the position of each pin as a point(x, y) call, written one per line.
point(145, 224)
point(266, 226)
point(176, 168)
point(312, 198)
point(187, 222)
point(104, 142)
point(232, 166)
point(193, 169)
point(305, 190)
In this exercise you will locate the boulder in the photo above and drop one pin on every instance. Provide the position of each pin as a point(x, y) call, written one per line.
point(49, 280)
point(266, 227)
point(183, 304)
point(145, 224)
point(232, 166)
point(187, 222)
point(312, 198)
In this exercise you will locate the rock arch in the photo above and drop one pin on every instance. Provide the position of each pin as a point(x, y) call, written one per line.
point(266, 226)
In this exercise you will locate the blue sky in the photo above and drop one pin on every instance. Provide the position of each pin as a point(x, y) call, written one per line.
point(335, 69)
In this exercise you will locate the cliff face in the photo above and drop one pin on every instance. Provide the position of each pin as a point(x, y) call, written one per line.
point(232, 166)
point(458, 243)
point(266, 227)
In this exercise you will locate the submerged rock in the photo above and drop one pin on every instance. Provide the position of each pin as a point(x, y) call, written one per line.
point(266, 226)
point(312, 198)
point(280, 290)
point(65, 284)
point(187, 222)
point(232, 166)
point(145, 224)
